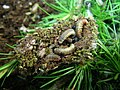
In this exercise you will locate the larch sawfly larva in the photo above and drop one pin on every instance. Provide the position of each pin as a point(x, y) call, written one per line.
point(79, 27)
point(52, 57)
point(66, 34)
point(65, 51)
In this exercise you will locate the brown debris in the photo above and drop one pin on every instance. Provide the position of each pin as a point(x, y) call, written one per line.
point(46, 41)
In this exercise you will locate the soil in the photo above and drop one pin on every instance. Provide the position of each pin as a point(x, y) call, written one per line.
point(12, 17)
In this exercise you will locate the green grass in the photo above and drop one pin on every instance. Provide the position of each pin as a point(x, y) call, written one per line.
point(64, 9)
point(7, 69)
point(108, 52)
point(10, 66)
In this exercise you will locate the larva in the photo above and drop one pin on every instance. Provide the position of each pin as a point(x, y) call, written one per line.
point(52, 57)
point(79, 27)
point(65, 51)
point(66, 34)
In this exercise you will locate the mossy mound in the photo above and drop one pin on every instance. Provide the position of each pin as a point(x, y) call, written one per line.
point(43, 51)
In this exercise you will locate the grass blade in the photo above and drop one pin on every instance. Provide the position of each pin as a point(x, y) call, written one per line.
point(2, 73)
point(62, 70)
point(57, 78)
point(45, 76)
point(62, 6)
point(77, 79)
point(5, 58)
point(6, 54)
point(81, 75)
point(10, 46)
point(7, 65)
point(71, 83)
point(55, 7)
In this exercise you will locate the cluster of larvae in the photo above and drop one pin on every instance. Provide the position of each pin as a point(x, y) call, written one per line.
point(67, 41)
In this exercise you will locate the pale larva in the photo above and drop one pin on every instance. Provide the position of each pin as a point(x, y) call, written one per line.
point(79, 27)
point(52, 57)
point(65, 51)
point(65, 35)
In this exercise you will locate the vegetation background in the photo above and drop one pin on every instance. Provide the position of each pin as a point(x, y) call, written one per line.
point(102, 74)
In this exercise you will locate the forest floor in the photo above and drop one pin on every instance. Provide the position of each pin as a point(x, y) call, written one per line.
point(13, 16)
